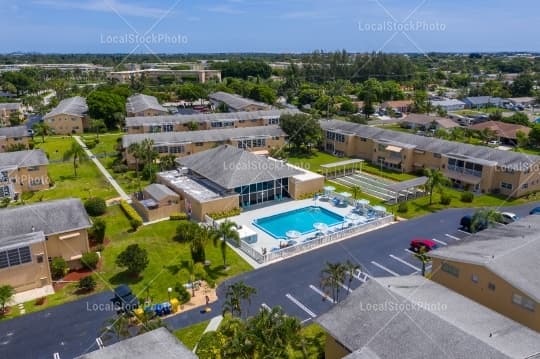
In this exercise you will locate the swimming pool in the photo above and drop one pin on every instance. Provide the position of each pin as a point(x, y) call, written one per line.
point(301, 220)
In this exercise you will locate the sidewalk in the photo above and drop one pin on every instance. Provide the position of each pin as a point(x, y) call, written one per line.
point(103, 170)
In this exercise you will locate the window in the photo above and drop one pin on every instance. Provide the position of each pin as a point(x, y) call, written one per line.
point(4, 176)
point(273, 121)
point(525, 185)
point(168, 127)
point(437, 155)
point(35, 182)
point(16, 256)
point(33, 168)
point(39, 258)
point(161, 149)
point(176, 149)
point(363, 139)
point(5, 192)
point(450, 269)
point(524, 302)
point(199, 144)
point(491, 286)
point(516, 299)
point(506, 185)
point(335, 136)
point(474, 278)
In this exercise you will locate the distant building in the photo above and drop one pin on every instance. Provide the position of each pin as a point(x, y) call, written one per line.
point(13, 136)
point(523, 101)
point(154, 74)
point(497, 268)
point(448, 105)
point(7, 110)
point(235, 103)
point(144, 105)
point(69, 117)
point(411, 317)
point(483, 101)
point(403, 106)
point(23, 171)
point(156, 201)
point(425, 122)
point(505, 133)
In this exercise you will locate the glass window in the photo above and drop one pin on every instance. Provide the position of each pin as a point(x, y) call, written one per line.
point(450, 269)
point(474, 278)
point(491, 286)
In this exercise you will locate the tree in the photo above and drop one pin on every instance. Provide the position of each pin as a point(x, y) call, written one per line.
point(235, 296)
point(14, 118)
point(42, 129)
point(87, 284)
point(422, 256)
point(332, 276)
point(6, 294)
point(226, 231)
point(117, 329)
point(167, 162)
point(97, 126)
point(356, 190)
point(108, 106)
point(98, 229)
point(351, 269)
point(435, 181)
point(77, 154)
point(303, 130)
point(95, 206)
point(134, 258)
point(136, 150)
point(485, 217)
point(522, 139)
point(522, 85)
point(58, 267)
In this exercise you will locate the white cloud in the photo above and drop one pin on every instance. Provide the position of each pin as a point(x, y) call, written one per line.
point(111, 6)
point(225, 9)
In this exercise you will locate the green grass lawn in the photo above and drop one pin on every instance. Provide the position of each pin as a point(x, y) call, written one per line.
point(191, 335)
point(312, 162)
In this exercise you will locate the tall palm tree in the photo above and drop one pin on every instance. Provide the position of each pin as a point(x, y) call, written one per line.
point(422, 256)
point(167, 162)
point(42, 129)
point(435, 181)
point(350, 269)
point(235, 294)
point(77, 154)
point(226, 231)
point(485, 217)
point(356, 190)
point(331, 278)
point(136, 150)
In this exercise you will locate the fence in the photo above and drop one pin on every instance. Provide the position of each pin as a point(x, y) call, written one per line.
point(314, 243)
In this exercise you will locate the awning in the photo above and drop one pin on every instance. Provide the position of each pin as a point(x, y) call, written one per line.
point(74, 258)
point(418, 165)
point(394, 149)
point(68, 236)
point(394, 161)
point(463, 177)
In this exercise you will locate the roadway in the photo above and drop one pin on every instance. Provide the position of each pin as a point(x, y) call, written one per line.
point(72, 329)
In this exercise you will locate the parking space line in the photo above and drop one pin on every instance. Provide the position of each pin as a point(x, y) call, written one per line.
point(453, 237)
point(345, 287)
point(305, 320)
point(409, 251)
point(404, 262)
point(361, 276)
point(440, 242)
point(467, 233)
point(300, 305)
point(265, 306)
point(384, 268)
point(321, 293)
point(99, 343)
point(56, 355)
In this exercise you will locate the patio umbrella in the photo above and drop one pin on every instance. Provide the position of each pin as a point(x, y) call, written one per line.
point(293, 234)
point(363, 202)
point(353, 216)
point(328, 189)
point(379, 209)
point(323, 227)
point(345, 194)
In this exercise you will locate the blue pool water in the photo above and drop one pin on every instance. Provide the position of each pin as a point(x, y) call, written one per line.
point(300, 220)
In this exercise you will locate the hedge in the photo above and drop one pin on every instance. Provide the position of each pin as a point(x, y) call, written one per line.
point(225, 214)
point(179, 216)
point(131, 213)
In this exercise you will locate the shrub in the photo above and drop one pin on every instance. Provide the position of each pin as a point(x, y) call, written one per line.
point(87, 284)
point(183, 293)
point(467, 197)
point(120, 168)
point(135, 223)
point(90, 260)
point(179, 216)
point(445, 199)
point(95, 206)
point(97, 232)
point(132, 214)
point(225, 214)
point(58, 267)
point(134, 258)
point(403, 207)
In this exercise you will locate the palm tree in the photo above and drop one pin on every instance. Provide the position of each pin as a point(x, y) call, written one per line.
point(6, 294)
point(356, 190)
point(485, 217)
point(435, 181)
point(422, 256)
point(350, 269)
point(117, 328)
point(235, 294)
point(331, 278)
point(42, 129)
point(167, 162)
point(226, 231)
point(77, 154)
point(136, 150)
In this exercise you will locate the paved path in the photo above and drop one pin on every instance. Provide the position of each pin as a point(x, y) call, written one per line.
point(104, 171)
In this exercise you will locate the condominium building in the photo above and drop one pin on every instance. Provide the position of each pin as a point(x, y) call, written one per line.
point(201, 76)
point(7, 110)
point(13, 138)
point(478, 168)
point(23, 171)
point(201, 121)
point(68, 117)
point(144, 105)
point(186, 143)
point(235, 103)
point(32, 235)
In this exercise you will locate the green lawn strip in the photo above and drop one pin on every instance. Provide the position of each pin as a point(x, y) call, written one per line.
point(191, 335)
point(13, 313)
point(312, 162)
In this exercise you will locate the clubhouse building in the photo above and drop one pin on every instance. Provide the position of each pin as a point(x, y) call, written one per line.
point(478, 168)
point(22, 171)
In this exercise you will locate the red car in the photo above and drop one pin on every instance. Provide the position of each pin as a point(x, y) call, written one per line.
point(418, 243)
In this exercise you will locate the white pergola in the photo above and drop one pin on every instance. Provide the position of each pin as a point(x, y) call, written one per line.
point(347, 165)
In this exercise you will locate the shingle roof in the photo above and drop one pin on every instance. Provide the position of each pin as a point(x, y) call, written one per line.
point(234, 101)
point(22, 239)
point(412, 317)
point(231, 167)
point(203, 117)
point(75, 106)
point(483, 100)
point(141, 102)
point(507, 159)
point(159, 191)
point(449, 102)
point(511, 251)
point(10, 106)
point(50, 217)
point(502, 129)
point(16, 131)
point(158, 343)
point(23, 158)
point(203, 135)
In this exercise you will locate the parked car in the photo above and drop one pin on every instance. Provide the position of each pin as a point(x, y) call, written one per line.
point(418, 243)
point(508, 217)
point(494, 143)
point(535, 210)
point(466, 224)
point(124, 300)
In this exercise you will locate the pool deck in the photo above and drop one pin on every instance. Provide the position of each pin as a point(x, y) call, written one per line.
point(264, 240)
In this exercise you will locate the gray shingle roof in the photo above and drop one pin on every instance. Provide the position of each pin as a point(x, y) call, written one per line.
point(203, 117)
point(50, 217)
point(20, 240)
point(23, 158)
point(158, 343)
point(75, 106)
point(159, 191)
point(141, 102)
point(231, 167)
point(483, 100)
point(511, 251)
point(10, 106)
point(203, 135)
point(234, 101)
point(16, 131)
point(507, 159)
point(450, 102)
point(413, 317)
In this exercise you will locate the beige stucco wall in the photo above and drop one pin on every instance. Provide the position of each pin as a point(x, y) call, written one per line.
point(147, 113)
point(500, 299)
point(333, 349)
point(27, 180)
point(68, 248)
point(66, 124)
point(5, 143)
point(198, 210)
point(299, 188)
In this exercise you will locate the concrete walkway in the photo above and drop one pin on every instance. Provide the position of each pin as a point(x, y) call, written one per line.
point(31, 294)
point(211, 327)
point(103, 170)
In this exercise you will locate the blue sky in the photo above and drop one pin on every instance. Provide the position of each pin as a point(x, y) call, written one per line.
point(172, 26)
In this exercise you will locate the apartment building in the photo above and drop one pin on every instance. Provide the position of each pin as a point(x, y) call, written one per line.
point(13, 138)
point(235, 103)
point(201, 121)
point(69, 117)
point(478, 168)
point(186, 143)
point(498, 268)
point(7, 110)
point(23, 171)
point(143, 106)
point(202, 76)
point(32, 235)
point(411, 317)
